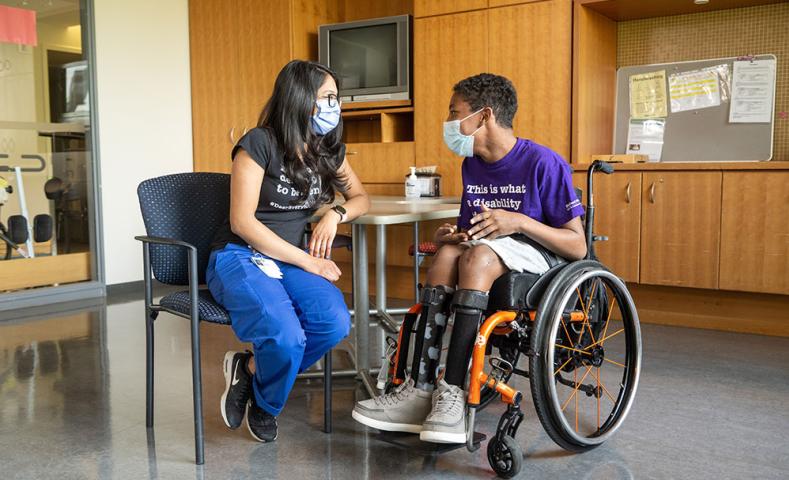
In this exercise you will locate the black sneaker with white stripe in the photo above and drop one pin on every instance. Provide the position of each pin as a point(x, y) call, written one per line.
point(262, 425)
point(238, 387)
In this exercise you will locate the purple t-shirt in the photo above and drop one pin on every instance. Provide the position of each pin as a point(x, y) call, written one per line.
point(531, 179)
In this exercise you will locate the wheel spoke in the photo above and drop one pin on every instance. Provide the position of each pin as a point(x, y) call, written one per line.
point(615, 363)
point(577, 384)
point(572, 349)
point(566, 332)
point(598, 399)
point(600, 342)
point(608, 319)
point(563, 365)
point(608, 393)
point(586, 309)
point(575, 379)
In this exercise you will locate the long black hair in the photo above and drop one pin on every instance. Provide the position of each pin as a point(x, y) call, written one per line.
point(288, 115)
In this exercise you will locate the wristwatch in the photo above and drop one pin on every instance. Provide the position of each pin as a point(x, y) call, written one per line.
point(341, 212)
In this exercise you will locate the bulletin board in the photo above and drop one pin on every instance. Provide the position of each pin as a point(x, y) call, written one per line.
point(698, 135)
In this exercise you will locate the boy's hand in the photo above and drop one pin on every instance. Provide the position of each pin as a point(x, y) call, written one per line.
point(492, 224)
point(448, 234)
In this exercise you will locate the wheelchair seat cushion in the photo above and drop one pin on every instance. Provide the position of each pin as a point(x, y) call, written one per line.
point(208, 309)
point(520, 290)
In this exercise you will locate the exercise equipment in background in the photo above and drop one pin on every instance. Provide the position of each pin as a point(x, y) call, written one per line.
point(20, 231)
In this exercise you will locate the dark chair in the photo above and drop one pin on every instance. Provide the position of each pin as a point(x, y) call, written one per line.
point(181, 213)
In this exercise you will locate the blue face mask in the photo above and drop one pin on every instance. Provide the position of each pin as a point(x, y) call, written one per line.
point(326, 118)
point(460, 144)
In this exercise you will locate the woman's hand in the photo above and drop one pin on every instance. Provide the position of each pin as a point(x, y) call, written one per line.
point(448, 234)
point(323, 235)
point(494, 223)
point(323, 267)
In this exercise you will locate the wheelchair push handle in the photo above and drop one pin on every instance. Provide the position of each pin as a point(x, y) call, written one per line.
point(602, 166)
point(608, 169)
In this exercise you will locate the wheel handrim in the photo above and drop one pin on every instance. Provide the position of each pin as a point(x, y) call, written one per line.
point(585, 352)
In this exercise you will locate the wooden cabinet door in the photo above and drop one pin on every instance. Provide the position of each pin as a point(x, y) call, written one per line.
point(755, 232)
point(617, 216)
point(381, 162)
point(425, 8)
point(680, 228)
point(447, 49)
point(531, 44)
point(236, 51)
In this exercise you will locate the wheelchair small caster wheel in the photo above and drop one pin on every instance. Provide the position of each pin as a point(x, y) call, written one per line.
point(505, 456)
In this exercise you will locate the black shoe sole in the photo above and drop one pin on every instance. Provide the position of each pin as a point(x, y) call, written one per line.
point(227, 368)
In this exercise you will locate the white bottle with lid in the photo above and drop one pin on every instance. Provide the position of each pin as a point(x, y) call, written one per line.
point(412, 184)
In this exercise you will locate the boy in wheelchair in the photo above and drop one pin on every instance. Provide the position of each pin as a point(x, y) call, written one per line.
point(519, 212)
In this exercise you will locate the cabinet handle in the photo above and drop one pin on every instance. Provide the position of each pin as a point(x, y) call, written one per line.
point(352, 152)
point(652, 193)
point(232, 137)
point(245, 131)
point(627, 191)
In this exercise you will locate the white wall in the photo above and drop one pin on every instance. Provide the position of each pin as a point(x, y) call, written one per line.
point(145, 118)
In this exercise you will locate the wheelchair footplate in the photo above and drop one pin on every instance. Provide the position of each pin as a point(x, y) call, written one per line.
point(411, 442)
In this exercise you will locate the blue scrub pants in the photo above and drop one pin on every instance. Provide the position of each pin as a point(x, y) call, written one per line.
point(291, 322)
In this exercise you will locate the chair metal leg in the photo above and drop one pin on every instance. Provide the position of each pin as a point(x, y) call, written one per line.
point(197, 382)
point(150, 317)
point(148, 369)
point(327, 391)
point(197, 390)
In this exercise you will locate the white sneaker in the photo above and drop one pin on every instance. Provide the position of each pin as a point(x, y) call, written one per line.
point(402, 410)
point(446, 423)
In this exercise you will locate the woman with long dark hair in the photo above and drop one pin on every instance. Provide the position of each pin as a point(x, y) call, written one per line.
point(277, 289)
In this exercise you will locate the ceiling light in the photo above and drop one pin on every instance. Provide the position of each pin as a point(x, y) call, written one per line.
point(701, 2)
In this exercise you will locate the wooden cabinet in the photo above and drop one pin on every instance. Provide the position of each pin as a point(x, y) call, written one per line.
point(531, 44)
point(755, 232)
point(447, 49)
point(425, 8)
point(618, 217)
point(680, 228)
point(234, 63)
point(381, 162)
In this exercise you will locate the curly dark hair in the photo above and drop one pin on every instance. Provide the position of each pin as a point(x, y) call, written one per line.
point(489, 90)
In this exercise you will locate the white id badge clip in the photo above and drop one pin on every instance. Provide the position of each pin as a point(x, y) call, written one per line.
point(266, 265)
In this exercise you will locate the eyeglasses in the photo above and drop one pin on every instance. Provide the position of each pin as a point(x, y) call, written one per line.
point(331, 99)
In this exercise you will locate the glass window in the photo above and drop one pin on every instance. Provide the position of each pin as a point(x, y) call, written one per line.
point(46, 170)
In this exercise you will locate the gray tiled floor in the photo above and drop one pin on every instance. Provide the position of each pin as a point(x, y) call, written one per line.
point(710, 405)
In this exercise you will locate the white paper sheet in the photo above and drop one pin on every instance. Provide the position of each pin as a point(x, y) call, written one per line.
point(694, 90)
point(753, 85)
point(646, 137)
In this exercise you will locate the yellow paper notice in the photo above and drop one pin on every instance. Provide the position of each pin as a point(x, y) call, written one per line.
point(648, 95)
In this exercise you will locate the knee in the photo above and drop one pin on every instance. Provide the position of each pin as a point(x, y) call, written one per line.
point(340, 325)
point(476, 259)
point(446, 257)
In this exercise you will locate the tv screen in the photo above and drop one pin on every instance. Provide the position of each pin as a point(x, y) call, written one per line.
point(365, 57)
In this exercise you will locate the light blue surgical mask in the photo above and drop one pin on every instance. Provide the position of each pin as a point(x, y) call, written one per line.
point(326, 118)
point(460, 144)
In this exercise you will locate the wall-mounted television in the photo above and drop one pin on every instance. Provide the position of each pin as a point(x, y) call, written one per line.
point(371, 57)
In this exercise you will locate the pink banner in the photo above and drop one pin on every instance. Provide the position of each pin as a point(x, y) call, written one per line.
point(18, 25)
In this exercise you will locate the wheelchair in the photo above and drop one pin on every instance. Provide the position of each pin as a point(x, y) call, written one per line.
point(577, 327)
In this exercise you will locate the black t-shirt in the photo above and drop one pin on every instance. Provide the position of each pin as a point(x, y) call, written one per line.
point(278, 205)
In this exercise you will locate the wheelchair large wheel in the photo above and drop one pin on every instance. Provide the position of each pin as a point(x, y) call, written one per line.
point(587, 341)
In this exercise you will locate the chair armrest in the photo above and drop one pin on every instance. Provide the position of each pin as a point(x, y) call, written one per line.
point(192, 259)
point(164, 241)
